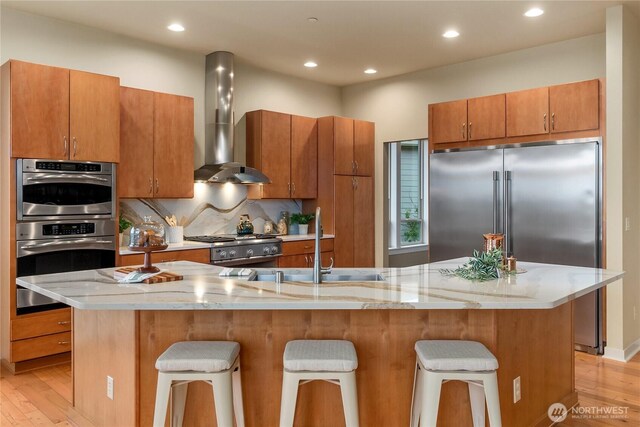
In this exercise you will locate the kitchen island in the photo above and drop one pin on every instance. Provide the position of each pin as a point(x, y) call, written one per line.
point(526, 320)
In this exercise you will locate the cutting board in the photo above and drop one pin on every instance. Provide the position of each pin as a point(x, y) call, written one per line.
point(165, 276)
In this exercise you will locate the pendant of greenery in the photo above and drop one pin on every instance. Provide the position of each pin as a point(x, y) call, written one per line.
point(482, 266)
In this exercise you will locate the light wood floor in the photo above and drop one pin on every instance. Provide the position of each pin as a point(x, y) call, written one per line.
point(42, 397)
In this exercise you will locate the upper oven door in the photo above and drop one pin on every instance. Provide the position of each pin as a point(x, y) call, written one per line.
point(54, 194)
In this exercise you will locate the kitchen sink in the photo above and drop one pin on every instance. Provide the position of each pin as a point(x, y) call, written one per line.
point(308, 277)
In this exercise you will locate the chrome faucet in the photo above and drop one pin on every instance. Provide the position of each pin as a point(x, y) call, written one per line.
point(318, 270)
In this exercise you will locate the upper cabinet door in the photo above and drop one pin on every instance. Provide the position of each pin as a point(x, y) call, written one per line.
point(528, 112)
point(449, 122)
point(39, 111)
point(275, 153)
point(304, 157)
point(486, 117)
point(94, 119)
point(173, 147)
point(344, 163)
point(363, 146)
point(575, 106)
point(135, 171)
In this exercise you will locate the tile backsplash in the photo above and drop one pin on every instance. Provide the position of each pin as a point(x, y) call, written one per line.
point(214, 209)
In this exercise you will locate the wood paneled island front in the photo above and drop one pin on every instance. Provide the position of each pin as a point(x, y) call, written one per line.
point(525, 320)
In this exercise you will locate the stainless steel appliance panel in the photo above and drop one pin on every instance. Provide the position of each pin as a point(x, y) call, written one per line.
point(552, 204)
point(465, 200)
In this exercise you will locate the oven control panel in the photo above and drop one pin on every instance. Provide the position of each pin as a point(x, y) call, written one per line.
point(238, 251)
point(68, 229)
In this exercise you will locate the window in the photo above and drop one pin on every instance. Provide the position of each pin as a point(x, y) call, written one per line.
point(407, 193)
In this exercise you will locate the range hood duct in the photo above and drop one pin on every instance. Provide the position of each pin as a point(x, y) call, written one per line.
point(219, 119)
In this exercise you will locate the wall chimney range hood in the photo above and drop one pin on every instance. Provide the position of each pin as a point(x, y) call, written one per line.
point(218, 147)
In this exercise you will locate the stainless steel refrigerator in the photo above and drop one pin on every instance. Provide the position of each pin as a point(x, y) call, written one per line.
point(545, 197)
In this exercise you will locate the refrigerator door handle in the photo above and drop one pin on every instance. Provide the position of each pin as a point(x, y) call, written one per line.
point(507, 209)
point(496, 201)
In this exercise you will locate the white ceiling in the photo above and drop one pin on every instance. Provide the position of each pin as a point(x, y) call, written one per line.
point(395, 37)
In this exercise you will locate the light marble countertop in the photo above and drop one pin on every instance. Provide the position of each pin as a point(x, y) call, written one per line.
point(422, 287)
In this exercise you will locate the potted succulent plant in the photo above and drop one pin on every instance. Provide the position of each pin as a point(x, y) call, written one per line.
point(303, 221)
point(123, 224)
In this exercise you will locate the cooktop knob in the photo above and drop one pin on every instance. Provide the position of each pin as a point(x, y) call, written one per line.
point(232, 253)
point(274, 249)
point(265, 250)
point(249, 252)
point(223, 254)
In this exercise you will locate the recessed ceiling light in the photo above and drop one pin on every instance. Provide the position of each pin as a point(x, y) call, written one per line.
point(532, 13)
point(451, 34)
point(310, 64)
point(312, 19)
point(176, 27)
point(370, 71)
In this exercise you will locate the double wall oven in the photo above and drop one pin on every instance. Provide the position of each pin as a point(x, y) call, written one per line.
point(65, 213)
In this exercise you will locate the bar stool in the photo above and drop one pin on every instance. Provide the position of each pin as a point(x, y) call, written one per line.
point(334, 361)
point(445, 360)
point(214, 362)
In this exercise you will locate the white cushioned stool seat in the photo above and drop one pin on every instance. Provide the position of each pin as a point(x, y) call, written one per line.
point(202, 356)
point(455, 355)
point(320, 356)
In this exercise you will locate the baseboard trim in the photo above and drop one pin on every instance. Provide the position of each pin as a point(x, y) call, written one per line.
point(569, 401)
point(41, 362)
point(622, 355)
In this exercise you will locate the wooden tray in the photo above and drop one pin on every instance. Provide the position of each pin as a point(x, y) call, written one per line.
point(165, 276)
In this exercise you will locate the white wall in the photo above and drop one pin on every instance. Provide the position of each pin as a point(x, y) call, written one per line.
point(146, 65)
point(398, 105)
point(623, 175)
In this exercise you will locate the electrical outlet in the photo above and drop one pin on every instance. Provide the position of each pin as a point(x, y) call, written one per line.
point(627, 223)
point(109, 387)
point(517, 391)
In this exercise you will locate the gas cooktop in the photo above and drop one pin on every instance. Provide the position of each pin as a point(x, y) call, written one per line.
point(230, 247)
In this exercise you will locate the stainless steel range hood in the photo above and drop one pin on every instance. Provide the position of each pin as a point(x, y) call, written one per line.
point(218, 147)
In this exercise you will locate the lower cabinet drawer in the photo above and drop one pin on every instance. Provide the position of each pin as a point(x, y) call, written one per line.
point(41, 346)
point(305, 247)
point(50, 322)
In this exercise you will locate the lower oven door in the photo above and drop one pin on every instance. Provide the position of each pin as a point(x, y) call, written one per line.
point(35, 257)
point(255, 262)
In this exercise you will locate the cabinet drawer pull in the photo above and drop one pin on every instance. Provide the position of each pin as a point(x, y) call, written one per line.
point(64, 322)
point(66, 145)
point(157, 186)
point(64, 342)
point(470, 123)
point(75, 146)
point(553, 121)
point(464, 125)
point(307, 247)
point(544, 121)
point(150, 186)
point(293, 188)
point(356, 162)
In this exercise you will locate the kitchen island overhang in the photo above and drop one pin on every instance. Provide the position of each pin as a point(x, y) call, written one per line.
point(525, 320)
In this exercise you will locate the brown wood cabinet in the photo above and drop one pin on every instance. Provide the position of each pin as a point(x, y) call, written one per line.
point(285, 148)
point(354, 235)
point(472, 119)
point(156, 142)
point(448, 122)
point(196, 255)
point(528, 112)
point(575, 106)
point(353, 146)
point(300, 253)
point(58, 113)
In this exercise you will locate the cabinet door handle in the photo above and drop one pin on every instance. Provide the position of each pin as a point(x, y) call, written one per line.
point(150, 186)
point(470, 123)
point(355, 183)
point(464, 125)
point(66, 145)
point(64, 322)
point(356, 162)
point(553, 121)
point(157, 186)
point(544, 121)
point(63, 342)
point(75, 146)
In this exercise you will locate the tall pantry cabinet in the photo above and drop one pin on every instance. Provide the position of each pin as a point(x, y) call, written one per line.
point(346, 189)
